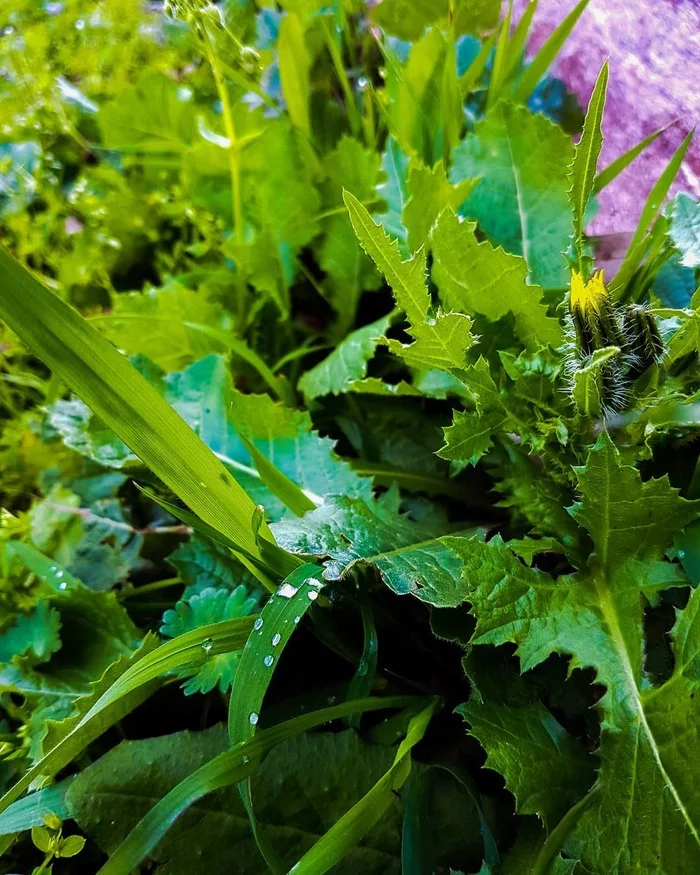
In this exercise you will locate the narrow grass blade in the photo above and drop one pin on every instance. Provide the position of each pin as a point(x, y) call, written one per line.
point(292, 496)
point(228, 768)
point(546, 55)
point(272, 631)
point(472, 74)
point(361, 683)
point(500, 59)
point(606, 176)
point(355, 823)
point(130, 689)
point(650, 211)
point(585, 163)
point(120, 396)
point(519, 39)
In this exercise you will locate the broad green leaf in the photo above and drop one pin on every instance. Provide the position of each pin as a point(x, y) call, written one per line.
point(173, 325)
point(520, 202)
point(596, 617)
point(441, 341)
point(546, 55)
point(346, 365)
point(585, 163)
point(294, 64)
point(638, 245)
point(545, 768)
point(153, 117)
point(627, 518)
point(685, 229)
point(125, 401)
point(475, 277)
point(312, 763)
point(409, 555)
point(430, 194)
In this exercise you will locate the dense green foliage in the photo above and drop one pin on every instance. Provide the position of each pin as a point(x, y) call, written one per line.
point(350, 521)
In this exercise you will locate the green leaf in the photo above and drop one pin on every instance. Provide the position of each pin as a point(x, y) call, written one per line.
point(320, 784)
point(545, 768)
point(349, 274)
point(202, 609)
point(499, 64)
point(475, 278)
point(35, 635)
point(685, 229)
point(585, 163)
point(441, 341)
point(124, 400)
point(125, 685)
point(627, 518)
point(31, 811)
point(615, 168)
point(520, 202)
point(430, 194)
point(346, 365)
point(641, 238)
point(409, 555)
point(546, 55)
point(409, 18)
point(152, 117)
point(71, 846)
point(294, 64)
point(587, 392)
point(172, 325)
point(394, 190)
point(596, 617)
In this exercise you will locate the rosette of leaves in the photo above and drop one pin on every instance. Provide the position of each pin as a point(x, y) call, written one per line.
point(211, 605)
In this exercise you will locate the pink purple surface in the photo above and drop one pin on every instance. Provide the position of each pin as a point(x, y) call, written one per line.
point(654, 51)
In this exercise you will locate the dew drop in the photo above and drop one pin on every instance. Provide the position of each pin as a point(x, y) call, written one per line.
point(63, 585)
point(287, 590)
point(362, 83)
point(296, 620)
point(257, 625)
point(59, 574)
point(253, 718)
point(207, 644)
point(80, 24)
point(312, 594)
point(276, 639)
point(268, 661)
point(246, 760)
point(681, 554)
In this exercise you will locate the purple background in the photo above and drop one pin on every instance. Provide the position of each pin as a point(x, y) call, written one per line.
point(654, 51)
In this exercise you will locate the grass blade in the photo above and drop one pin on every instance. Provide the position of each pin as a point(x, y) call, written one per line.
point(546, 55)
point(355, 823)
point(273, 629)
point(638, 244)
point(130, 689)
point(519, 39)
point(500, 59)
point(120, 396)
point(224, 770)
point(585, 163)
point(472, 74)
point(615, 168)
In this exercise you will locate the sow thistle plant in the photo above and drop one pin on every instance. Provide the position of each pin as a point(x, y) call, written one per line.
point(369, 539)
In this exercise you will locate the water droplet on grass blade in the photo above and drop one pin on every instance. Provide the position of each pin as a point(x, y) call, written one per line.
point(312, 594)
point(257, 625)
point(286, 591)
point(253, 718)
point(276, 639)
point(268, 661)
point(207, 645)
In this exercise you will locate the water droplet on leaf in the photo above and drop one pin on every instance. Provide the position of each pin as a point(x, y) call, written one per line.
point(207, 644)
point(276, 639)
point(268, 661)
point(253, 718)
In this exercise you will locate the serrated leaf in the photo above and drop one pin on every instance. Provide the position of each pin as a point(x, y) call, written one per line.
point(346, 364)
point(35, 635)
point(430, 193)
point(475, 277)
point(201, 609)
point(520, 202)
point(585, 163)
point(408, 554)
point(440, 341)
point(545, 768)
